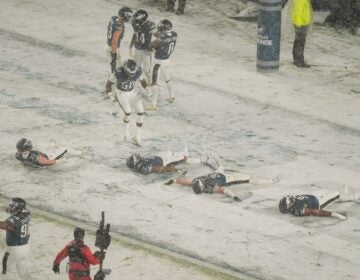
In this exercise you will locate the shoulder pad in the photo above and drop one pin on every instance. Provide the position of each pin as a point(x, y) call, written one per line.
point(150, 26)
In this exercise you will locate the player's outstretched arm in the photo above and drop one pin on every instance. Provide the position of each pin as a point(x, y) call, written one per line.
point(227, 192)
point(46, 162)
point(323, 213)
point(180, 181)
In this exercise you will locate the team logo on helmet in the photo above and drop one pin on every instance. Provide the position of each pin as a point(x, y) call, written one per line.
point(164, 26)
point(130, 67)
point(140, 17)
point(198, 186)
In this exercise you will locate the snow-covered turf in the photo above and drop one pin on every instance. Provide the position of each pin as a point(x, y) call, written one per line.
point(301, 126)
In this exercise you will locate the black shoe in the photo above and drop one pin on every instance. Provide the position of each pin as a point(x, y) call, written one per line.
point(170, 9)
point(301, 64)
point(178, 12)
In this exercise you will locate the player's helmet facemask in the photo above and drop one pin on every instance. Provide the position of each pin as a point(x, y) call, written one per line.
point(16, 205)
point(130, 68)
point(198, 186)
point(133, 160)
point(126, 13)
point(286, 203)
point(164, 26)
point(24, 145)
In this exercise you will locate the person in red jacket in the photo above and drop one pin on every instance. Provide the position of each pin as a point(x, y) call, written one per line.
point(80, 257)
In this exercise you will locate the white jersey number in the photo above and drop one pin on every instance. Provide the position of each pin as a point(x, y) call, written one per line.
point(24, 230)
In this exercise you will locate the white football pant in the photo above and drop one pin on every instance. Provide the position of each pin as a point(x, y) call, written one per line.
point(18, 262)
point(143, 59)
point(131, 102)
point(161, 75)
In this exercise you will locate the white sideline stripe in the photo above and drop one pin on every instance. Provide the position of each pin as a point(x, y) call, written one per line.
point(131, 241)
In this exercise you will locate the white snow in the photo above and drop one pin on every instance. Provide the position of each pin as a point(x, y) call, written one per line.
point(300, 125)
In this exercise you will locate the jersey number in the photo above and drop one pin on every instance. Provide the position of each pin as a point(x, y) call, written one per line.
point(140, 38)
point(128, 85)
point(171, 48)
point(24, 230)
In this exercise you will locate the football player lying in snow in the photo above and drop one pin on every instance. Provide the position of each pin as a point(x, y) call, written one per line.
point(218, 181)
point(162, 163)
point(30, 157)
point(310, 205)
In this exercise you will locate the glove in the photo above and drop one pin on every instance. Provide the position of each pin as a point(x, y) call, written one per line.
point(56, 268)
point(100, 255)
point(236, 198)
point(181, 171)
point(170, 182)
point(113, 62)
point(108, 86)
point(338, 216)
point(100, 275)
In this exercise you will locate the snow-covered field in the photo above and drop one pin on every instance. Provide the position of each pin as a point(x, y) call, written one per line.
point(299, 125)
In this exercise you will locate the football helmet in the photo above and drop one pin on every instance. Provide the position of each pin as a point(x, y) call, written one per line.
point(140, 17)
point(23, 145)
point(130, 67)
point(198, 186)
point(164, 26)
point(79, 233)
point(286, 203)
point(126, 13)
point(16, 205)
point(133, 160)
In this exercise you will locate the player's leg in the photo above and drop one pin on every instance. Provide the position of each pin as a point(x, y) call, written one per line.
point(167, 79)
point(10, 264)
point(119, 60)
point(154, 86)
point(147, 61)
point(170, 5)
point(349, 194)
point(181, 7)
point(139, 109)
point(124, 103)
point(139, 58)
point(237, 178)
point(23, 264)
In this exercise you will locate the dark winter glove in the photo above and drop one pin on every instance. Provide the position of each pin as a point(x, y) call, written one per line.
point(170, 182)
point(100, 275)
point(100, 255)
point(108, 86)
point(113, 62)
point(236, 198)
point(56, 268)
